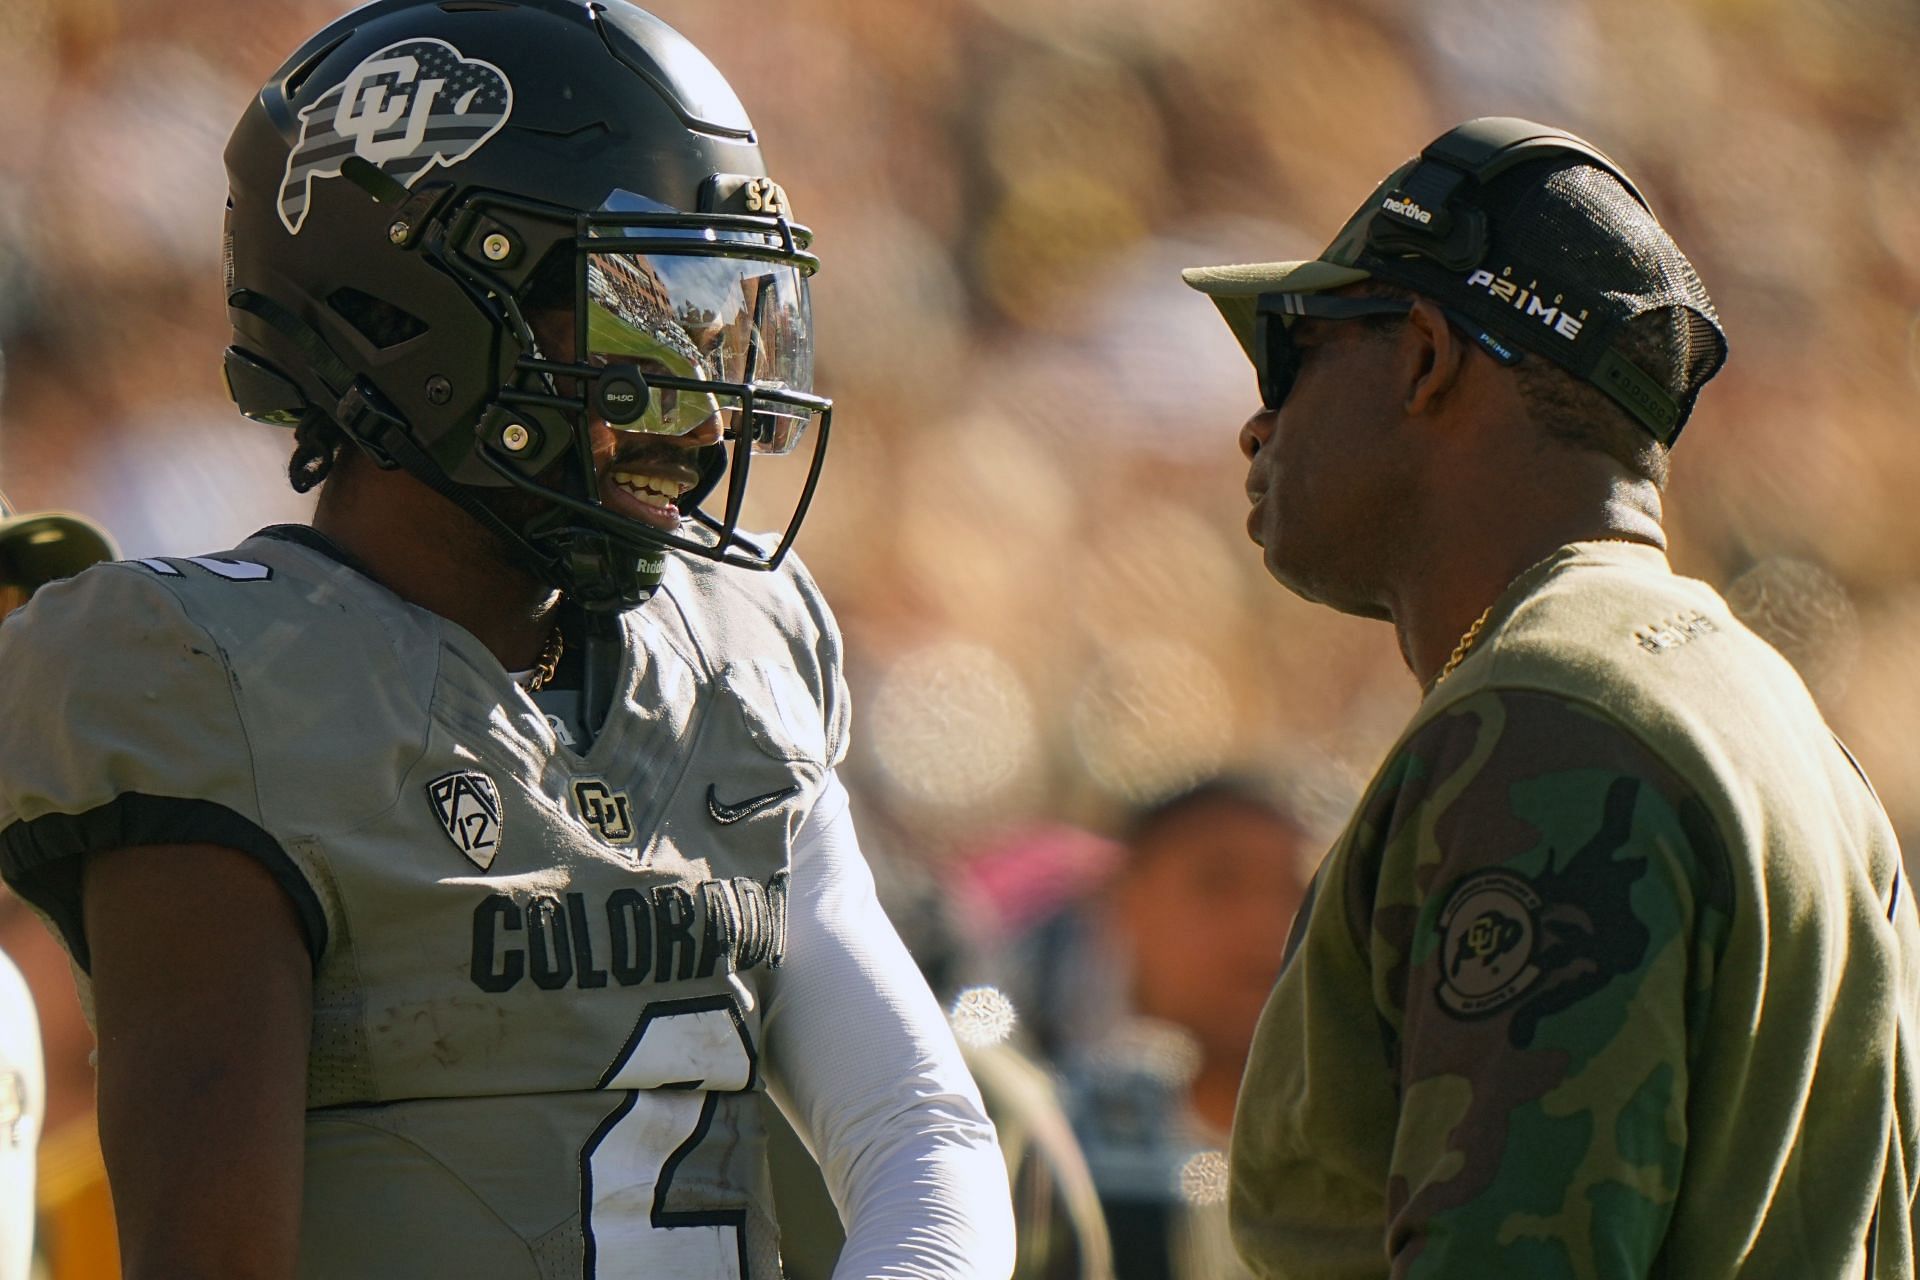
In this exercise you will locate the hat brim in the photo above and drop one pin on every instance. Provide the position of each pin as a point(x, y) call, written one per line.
point(1236, 288)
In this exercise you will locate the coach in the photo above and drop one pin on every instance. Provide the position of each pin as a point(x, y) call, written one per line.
point(1613, 972)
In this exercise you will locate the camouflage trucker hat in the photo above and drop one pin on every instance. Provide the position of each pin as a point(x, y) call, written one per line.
point(1527, 236)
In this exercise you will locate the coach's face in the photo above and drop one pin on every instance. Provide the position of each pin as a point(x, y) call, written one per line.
point(1326, 474)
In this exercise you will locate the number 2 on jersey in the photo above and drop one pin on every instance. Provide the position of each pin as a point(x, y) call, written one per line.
point(682, 1056)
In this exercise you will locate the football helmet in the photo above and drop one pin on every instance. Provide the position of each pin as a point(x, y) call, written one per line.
point(38, 547)
point(464, 230)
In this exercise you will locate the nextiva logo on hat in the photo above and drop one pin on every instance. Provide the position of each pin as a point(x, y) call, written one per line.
point(1530, 237)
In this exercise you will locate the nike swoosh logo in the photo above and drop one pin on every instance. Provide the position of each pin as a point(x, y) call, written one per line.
point(726, 813)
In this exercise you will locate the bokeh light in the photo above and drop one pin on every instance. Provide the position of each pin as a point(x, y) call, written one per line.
point(981, 1016)
point(1203, 1178)
point(1151, 714)
point(1145, 1046)
point(951, 725)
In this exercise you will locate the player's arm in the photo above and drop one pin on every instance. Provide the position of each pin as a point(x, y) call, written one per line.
point(861, 1059)
point(202, 987)
point(1549, 905)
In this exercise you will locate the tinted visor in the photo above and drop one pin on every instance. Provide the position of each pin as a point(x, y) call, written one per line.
point(716, 320)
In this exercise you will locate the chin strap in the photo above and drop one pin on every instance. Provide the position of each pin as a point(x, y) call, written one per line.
point(384, 437)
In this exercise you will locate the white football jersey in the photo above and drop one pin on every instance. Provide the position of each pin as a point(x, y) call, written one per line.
point(539, 974)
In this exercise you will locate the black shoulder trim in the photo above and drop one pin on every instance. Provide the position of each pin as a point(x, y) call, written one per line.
point(313, 540)
point(41, 858)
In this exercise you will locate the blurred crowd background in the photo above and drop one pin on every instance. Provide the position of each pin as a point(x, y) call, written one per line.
point(1031, 523)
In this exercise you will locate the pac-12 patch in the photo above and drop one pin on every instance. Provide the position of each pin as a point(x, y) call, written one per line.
point(1488, 934)
point(469, 810)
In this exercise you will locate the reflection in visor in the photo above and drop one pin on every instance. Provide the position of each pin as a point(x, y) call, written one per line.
point(705, 318)
point(628, 323)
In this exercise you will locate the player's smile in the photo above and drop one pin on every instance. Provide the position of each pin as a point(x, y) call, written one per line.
point(646, 481)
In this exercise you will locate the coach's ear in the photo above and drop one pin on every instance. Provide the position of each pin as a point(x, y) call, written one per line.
point(1434, 357)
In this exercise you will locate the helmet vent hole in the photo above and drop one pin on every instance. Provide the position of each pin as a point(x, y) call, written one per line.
point(293, 82)
point(380, 322)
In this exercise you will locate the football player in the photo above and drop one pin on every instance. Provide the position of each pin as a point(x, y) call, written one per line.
point(451, 876)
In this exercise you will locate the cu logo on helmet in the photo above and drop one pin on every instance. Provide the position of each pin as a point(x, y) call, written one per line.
point(405, 109)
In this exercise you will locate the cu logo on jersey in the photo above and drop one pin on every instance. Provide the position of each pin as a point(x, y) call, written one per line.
point(404, 109)
point(604, 809)
point(469, 810)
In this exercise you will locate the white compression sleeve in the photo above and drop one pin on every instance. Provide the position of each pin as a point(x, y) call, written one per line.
point(860, 1057)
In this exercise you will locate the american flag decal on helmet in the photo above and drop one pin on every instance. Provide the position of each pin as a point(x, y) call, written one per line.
point(405, 109)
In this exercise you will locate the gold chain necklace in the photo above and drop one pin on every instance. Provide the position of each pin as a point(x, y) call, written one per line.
point(1461, 649)
point(1472, 634)
point(549, 660)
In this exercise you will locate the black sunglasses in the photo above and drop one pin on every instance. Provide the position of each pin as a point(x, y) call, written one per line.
point(1277, 359)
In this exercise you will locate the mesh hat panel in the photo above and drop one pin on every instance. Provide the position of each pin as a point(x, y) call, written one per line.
point(1572, 257)
point(1584, 217)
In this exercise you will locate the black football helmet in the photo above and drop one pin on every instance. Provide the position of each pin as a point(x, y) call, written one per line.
point(429, 186)
point(38, 547)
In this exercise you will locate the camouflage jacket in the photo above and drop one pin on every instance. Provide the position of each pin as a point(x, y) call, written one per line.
point(1606, 978)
